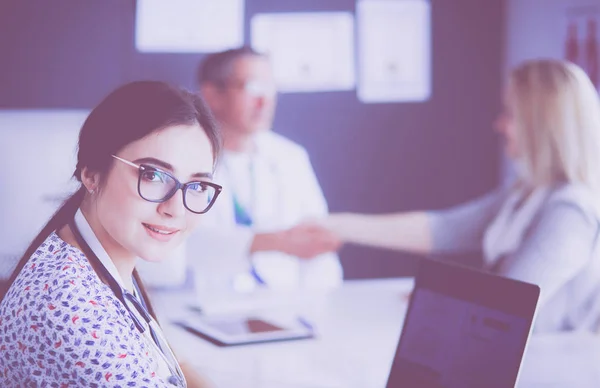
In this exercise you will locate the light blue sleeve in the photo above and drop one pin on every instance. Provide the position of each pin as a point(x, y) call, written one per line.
point(461, 228)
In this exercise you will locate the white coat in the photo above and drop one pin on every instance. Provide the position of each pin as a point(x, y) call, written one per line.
point(278, 185)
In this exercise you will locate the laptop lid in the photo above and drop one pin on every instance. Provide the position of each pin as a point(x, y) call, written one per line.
point(463, 328)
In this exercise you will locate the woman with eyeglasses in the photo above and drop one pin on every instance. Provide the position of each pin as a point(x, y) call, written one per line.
point(76, 313)
point(543, 229)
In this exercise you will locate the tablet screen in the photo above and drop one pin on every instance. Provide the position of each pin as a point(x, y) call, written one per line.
point(240, 330)
point(243, 326)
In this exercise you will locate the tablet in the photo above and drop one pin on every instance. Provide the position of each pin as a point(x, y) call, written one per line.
point(233, 330)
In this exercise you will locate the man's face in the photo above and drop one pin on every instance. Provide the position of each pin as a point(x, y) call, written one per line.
point(246, 102)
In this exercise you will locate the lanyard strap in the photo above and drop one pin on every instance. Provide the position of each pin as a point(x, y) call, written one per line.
point(93, 244)
point(83, 233)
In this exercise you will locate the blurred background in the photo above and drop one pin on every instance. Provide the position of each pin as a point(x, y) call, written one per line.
point(61, 57)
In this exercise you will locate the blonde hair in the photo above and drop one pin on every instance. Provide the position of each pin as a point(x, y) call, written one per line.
point(556, 111)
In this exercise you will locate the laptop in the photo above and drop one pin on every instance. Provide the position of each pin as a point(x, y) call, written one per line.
point(463, 329)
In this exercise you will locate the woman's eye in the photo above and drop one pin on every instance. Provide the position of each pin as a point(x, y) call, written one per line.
point(153, 176)
point(197, 187)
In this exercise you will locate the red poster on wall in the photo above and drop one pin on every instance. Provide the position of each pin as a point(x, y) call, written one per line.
point(590, 52)
point(581, 39)
point(572, 43)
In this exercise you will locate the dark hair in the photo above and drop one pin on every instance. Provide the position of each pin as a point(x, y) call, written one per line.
point(129, 113)
point(217, 68)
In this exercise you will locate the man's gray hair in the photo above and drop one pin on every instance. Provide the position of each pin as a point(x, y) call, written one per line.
point(217, 68)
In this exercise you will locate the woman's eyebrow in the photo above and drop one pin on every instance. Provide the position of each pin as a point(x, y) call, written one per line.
point(156, 162)
point(207, 175)
point(169, 167)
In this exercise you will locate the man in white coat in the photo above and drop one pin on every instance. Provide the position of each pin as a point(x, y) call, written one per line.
point(254, 233)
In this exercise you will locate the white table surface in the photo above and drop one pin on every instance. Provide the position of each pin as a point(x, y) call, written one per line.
point(358, 328)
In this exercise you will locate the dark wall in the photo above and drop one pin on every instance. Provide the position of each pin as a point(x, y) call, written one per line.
point(369, 158)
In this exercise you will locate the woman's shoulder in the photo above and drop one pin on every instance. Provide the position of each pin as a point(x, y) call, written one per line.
point(56, 281)
point(58, 307)
point(577, 197)
point(54, 264)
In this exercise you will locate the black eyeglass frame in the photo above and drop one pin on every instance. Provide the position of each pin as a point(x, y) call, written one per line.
point(142, 168)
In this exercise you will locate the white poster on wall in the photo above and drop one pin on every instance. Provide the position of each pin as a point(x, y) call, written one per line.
point(394, 50)
point(187, 26)
point(310, 52)
point(580, 39)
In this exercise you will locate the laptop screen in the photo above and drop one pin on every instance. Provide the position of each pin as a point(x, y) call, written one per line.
point(463, 328)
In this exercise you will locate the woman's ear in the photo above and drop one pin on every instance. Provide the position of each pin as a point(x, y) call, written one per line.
point(90, 180)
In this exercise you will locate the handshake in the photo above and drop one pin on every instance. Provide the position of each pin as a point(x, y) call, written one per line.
point(305, 240)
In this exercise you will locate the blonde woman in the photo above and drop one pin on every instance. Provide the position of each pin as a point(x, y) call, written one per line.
point(545, 228)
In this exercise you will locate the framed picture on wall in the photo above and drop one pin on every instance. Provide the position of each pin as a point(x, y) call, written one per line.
point(310, 51)
point(188, 26)
point(394, 50)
